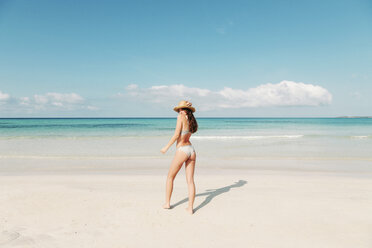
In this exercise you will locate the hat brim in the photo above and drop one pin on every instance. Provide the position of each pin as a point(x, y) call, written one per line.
point(181, 107)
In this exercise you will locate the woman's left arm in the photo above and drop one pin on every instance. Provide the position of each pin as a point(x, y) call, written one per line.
point(177, 133)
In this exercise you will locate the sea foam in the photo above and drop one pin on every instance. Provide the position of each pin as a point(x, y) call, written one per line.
point(360, 137)
point(247, 137)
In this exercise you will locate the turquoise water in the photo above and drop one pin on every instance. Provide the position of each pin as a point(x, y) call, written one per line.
point(229, 138)
point(211, 127)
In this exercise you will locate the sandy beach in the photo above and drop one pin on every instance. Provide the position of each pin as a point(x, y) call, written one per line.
point(269, 102)
point(79, 184)
point(108, 205)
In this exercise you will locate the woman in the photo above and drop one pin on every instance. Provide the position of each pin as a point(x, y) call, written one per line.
point(185, 153)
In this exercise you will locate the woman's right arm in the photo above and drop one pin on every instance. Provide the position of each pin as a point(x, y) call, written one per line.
point(176, 134)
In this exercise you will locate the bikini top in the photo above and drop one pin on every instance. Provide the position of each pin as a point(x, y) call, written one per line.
point(183, 132)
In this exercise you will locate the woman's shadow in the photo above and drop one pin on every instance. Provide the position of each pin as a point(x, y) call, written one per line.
point(212, 193)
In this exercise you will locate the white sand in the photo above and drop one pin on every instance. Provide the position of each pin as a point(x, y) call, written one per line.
point(266, 209)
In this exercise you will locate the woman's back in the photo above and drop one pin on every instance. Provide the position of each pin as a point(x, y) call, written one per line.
point(184, 138)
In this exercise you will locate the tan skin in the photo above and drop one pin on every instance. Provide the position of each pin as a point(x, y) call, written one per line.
point(178, 160)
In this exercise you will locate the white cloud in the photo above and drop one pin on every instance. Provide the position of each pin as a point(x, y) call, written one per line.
point(4, 97)
point(285, 93)
point(38, 99)
point(89, 107)
point(132, 86)
point(24, 101)
point(58, 99)
point(165, 93)
point(51, 101)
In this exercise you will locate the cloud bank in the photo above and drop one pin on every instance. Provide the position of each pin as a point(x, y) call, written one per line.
point(51, 101)
point(283, 94)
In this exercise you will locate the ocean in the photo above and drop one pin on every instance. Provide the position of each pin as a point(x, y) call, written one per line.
point(227, 138)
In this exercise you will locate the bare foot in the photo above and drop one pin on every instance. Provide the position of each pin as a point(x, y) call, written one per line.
point(190, 210)
point(166, 206)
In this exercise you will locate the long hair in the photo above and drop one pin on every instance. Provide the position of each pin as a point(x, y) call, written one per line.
point(193, 125)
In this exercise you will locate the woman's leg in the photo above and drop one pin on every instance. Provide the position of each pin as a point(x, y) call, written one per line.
point(190, 167)
point(178, 160)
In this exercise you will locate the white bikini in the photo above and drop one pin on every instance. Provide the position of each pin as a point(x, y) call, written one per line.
point(188, 149)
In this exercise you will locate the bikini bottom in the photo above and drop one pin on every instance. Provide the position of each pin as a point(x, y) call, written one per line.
point(189, 150)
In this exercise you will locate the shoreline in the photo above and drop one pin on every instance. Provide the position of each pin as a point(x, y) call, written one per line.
point(201, 117)
point(62, 164)
point(204, 166)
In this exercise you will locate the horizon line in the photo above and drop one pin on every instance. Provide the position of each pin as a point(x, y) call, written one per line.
point(205, 117)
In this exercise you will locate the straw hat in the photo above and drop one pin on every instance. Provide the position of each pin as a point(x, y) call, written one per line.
point(184, 104)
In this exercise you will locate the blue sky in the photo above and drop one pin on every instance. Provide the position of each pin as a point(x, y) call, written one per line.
point(230, 58)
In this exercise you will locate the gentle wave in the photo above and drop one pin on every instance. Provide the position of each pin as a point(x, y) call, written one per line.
point(92, 157)
point(71, 126)
point(360, 137)
point(86, 137)
point(77, 157)
point(247, 137)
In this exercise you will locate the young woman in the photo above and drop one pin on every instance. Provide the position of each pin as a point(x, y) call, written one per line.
point(185, 153)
